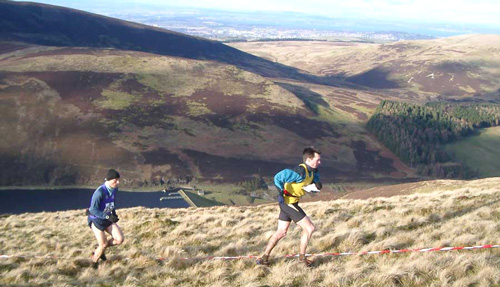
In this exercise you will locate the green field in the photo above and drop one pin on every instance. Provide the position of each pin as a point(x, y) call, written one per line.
point(480, 152)
point(226, 194)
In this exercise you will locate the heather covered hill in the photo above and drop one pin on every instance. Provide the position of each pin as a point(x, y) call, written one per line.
point(461, 72)
point(460, 67)
point(54, 248)
point(70, 113)
point(160, 105)
point(49, 25)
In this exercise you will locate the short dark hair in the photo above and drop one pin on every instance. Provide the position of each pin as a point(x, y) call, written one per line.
point(309, 152)
point(112, 174)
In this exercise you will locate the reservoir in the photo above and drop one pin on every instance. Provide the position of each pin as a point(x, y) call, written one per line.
point(18, 201)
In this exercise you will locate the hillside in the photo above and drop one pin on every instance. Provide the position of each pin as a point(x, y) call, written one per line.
point(462, 70)
point(53, 248)
point(462, 67)
point(480, 152)
point(159, 106)
point(48, 25)
point(76, 111)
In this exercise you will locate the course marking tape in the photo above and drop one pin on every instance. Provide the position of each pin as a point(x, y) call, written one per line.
point(297, 255)
point(399, 251)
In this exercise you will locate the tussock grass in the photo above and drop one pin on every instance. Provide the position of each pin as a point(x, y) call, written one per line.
point(54, 248)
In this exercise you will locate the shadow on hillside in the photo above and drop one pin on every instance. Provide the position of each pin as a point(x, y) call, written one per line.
point(370, 161)
point(377, 78)
point(311, 99)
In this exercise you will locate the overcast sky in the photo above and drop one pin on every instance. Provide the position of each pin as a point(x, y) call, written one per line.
point(480, 12)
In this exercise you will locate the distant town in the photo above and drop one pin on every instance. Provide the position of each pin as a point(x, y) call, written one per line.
point(227, 27)
point(229, 34)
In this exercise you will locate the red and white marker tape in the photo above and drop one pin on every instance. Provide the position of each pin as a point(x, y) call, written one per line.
point(399, 251)
point(296, 255)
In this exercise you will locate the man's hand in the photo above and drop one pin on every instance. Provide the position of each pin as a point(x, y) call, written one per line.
point(319, 185)
point(113, 218)
point(311, 188)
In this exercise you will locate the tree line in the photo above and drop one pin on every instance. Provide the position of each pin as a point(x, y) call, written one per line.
point(416, 133)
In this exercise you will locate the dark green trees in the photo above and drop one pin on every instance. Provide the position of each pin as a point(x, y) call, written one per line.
point(416, 133)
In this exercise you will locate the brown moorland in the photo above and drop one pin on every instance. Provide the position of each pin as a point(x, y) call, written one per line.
point(457, 67)
point(76, 111)
point(157, 104)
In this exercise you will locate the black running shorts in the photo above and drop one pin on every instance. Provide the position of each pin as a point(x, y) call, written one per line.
point(291, 212)
point(101, 224)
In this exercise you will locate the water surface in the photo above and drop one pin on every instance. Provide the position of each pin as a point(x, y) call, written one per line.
point(20, 201)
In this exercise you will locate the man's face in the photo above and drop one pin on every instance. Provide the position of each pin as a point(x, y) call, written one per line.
point(114, 182)
point(315, 161)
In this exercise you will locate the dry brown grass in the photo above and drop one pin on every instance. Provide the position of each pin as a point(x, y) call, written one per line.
point(352, 58)
point(54, 248)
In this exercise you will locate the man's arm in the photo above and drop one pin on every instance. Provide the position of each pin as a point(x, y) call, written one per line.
point(286, 175)
point(95, 202)
point(316, 180)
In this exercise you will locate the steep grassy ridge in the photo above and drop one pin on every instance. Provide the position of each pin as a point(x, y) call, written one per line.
point(439, 213)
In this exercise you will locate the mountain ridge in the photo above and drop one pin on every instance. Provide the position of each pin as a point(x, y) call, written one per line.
point(456, 68)
point(50, 25)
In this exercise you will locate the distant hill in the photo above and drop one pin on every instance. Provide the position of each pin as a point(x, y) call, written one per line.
point(68, 114)
point(480, 152)
point(461, 68)
point(49, 25)
point(171, 109)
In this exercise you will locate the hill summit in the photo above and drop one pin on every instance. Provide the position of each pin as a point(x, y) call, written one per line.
point(49, 25)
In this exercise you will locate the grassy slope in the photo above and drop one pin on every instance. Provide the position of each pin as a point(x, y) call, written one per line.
point(201, 201)
point(165, 105)
point(480, 152)
point(442, 213)
point(462, 66)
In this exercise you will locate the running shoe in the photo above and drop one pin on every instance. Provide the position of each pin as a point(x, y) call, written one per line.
point(264, 260)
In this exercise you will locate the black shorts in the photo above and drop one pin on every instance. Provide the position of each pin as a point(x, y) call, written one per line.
point(101, 224)
point(291, 212)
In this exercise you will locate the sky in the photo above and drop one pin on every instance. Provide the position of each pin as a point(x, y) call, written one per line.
point(466, 12)
point(484, 12)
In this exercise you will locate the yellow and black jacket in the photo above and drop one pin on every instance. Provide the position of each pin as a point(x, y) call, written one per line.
point(291, 181)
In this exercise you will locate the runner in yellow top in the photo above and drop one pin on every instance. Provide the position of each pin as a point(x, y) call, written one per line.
point(290, 184)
